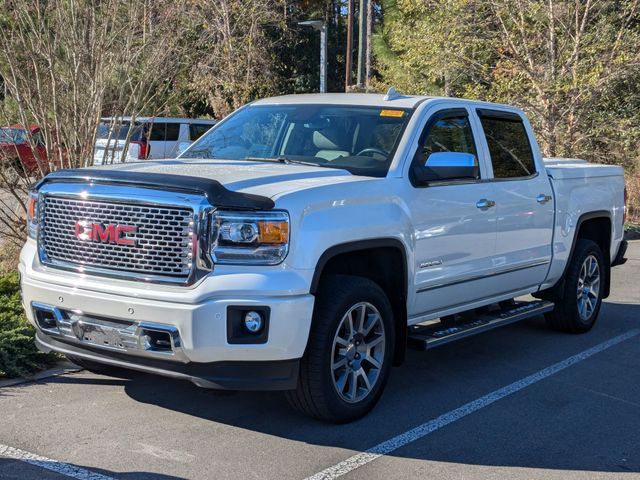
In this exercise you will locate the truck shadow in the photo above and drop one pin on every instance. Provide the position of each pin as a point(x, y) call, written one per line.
point(584, 418)
point(45, 470)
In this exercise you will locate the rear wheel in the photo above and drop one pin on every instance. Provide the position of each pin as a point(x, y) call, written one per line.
point(578, 310)
point(348, 357)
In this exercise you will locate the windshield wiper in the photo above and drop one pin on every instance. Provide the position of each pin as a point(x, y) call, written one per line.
point(281, 159)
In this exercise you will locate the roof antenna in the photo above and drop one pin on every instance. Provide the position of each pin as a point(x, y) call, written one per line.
point(392, 94)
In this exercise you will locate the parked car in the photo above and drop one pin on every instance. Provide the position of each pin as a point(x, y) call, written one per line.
point(151, 138)
point(305, 242)
point(15, 148)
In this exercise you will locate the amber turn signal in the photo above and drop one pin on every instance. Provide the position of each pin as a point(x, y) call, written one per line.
point(273, 232)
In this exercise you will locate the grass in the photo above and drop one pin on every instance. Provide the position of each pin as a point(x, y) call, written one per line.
point(18, 353)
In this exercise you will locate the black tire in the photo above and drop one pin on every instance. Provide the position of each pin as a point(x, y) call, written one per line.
point(566, 316)
point(94, 367)
point(316, 394)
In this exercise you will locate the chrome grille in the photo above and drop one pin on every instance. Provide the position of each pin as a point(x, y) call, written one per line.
point(163, 236)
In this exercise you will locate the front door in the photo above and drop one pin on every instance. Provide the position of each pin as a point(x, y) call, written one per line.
point(454, 222)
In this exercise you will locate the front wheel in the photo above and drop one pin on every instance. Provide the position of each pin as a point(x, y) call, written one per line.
point(350, 349)
point(578, 310)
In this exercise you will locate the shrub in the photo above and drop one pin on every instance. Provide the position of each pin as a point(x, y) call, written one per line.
point(18, 353)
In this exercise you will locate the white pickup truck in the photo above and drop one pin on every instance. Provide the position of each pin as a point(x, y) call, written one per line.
point(305, 242)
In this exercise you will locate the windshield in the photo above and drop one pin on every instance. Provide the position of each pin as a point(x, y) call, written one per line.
point(120, 131)
point(359, 139)
point(13, 135)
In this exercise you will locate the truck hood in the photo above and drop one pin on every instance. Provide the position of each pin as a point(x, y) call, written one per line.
point(258, 178)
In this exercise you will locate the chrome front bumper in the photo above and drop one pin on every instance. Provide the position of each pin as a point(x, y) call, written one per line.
point(135, 338)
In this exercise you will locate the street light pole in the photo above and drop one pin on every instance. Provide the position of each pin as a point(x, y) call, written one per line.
point(362, 43)
point(349, 53)
point(320, 25)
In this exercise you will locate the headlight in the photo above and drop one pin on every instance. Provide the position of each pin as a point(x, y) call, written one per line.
point(257, 238)
point(32, 215)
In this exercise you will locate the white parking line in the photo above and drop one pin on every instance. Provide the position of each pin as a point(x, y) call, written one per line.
point(53, 465)
point(431, 426)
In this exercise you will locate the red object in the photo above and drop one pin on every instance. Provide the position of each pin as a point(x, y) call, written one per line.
point(14, 145)
point(144, 149)
point(624, 210)
point(98, 233)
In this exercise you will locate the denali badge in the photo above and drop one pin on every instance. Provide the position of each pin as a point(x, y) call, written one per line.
point(99, 233)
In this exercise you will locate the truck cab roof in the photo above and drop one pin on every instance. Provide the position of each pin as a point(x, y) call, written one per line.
point(371, 100)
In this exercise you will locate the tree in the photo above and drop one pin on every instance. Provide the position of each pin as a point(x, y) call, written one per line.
point(65, 64)
point(559, 61)
point(574, 67)
point(432, 46)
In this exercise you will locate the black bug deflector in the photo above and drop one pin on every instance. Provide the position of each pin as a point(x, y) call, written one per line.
point(216, 194)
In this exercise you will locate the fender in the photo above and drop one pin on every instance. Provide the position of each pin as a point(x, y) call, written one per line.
point(558, 289)
point(354, 247)
point(399, 305)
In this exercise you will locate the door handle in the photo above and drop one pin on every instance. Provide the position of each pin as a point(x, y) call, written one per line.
point(542, 198)
point(484, 204)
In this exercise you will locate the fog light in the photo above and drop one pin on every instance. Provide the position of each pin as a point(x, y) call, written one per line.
point(253, 322)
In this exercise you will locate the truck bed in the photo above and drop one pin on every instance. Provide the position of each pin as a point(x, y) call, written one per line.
point(566, 168)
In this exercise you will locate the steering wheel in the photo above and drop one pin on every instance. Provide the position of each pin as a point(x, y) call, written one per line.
point(371, 151)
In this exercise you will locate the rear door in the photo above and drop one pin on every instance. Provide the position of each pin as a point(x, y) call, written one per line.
point(157, 139)
point(524, 200)
point(172, 138)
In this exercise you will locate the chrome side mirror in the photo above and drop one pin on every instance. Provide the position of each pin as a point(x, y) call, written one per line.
point(444, 166)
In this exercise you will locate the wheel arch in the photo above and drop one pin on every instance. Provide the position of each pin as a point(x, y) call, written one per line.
point(376, 259)
point(597, 226)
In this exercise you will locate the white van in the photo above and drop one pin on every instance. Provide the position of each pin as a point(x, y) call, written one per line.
point(152, 138)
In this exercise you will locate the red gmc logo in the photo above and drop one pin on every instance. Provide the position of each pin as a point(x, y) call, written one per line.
point(99, 233)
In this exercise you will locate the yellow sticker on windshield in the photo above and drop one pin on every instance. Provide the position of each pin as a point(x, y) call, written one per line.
point(392, 113)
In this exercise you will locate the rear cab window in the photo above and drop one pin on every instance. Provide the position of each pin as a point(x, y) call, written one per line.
point(509, 147)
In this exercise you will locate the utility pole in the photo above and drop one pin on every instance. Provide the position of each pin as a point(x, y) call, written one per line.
point(362, 22)
point(349, 53)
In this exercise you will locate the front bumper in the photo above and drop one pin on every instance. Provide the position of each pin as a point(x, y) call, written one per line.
point(231, 375)
point(197, 315)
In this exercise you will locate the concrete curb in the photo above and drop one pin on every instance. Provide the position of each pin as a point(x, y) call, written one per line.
point(61, 368)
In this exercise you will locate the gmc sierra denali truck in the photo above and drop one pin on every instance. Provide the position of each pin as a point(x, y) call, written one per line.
point(305, 242)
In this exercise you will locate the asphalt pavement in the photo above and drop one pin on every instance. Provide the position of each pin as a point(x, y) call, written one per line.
point(520, 402)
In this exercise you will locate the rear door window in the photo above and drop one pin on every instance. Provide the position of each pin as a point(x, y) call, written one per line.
point(172, 132)
point(157, 132)
point(196, 130)
point(509, 147)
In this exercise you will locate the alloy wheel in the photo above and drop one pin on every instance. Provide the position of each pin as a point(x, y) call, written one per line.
point(358, 352)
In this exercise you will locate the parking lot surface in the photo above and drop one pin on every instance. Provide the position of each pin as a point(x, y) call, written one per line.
point(519, 402)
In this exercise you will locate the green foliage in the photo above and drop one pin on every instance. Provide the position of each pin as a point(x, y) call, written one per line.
point(18, 353)
point(574, 67)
